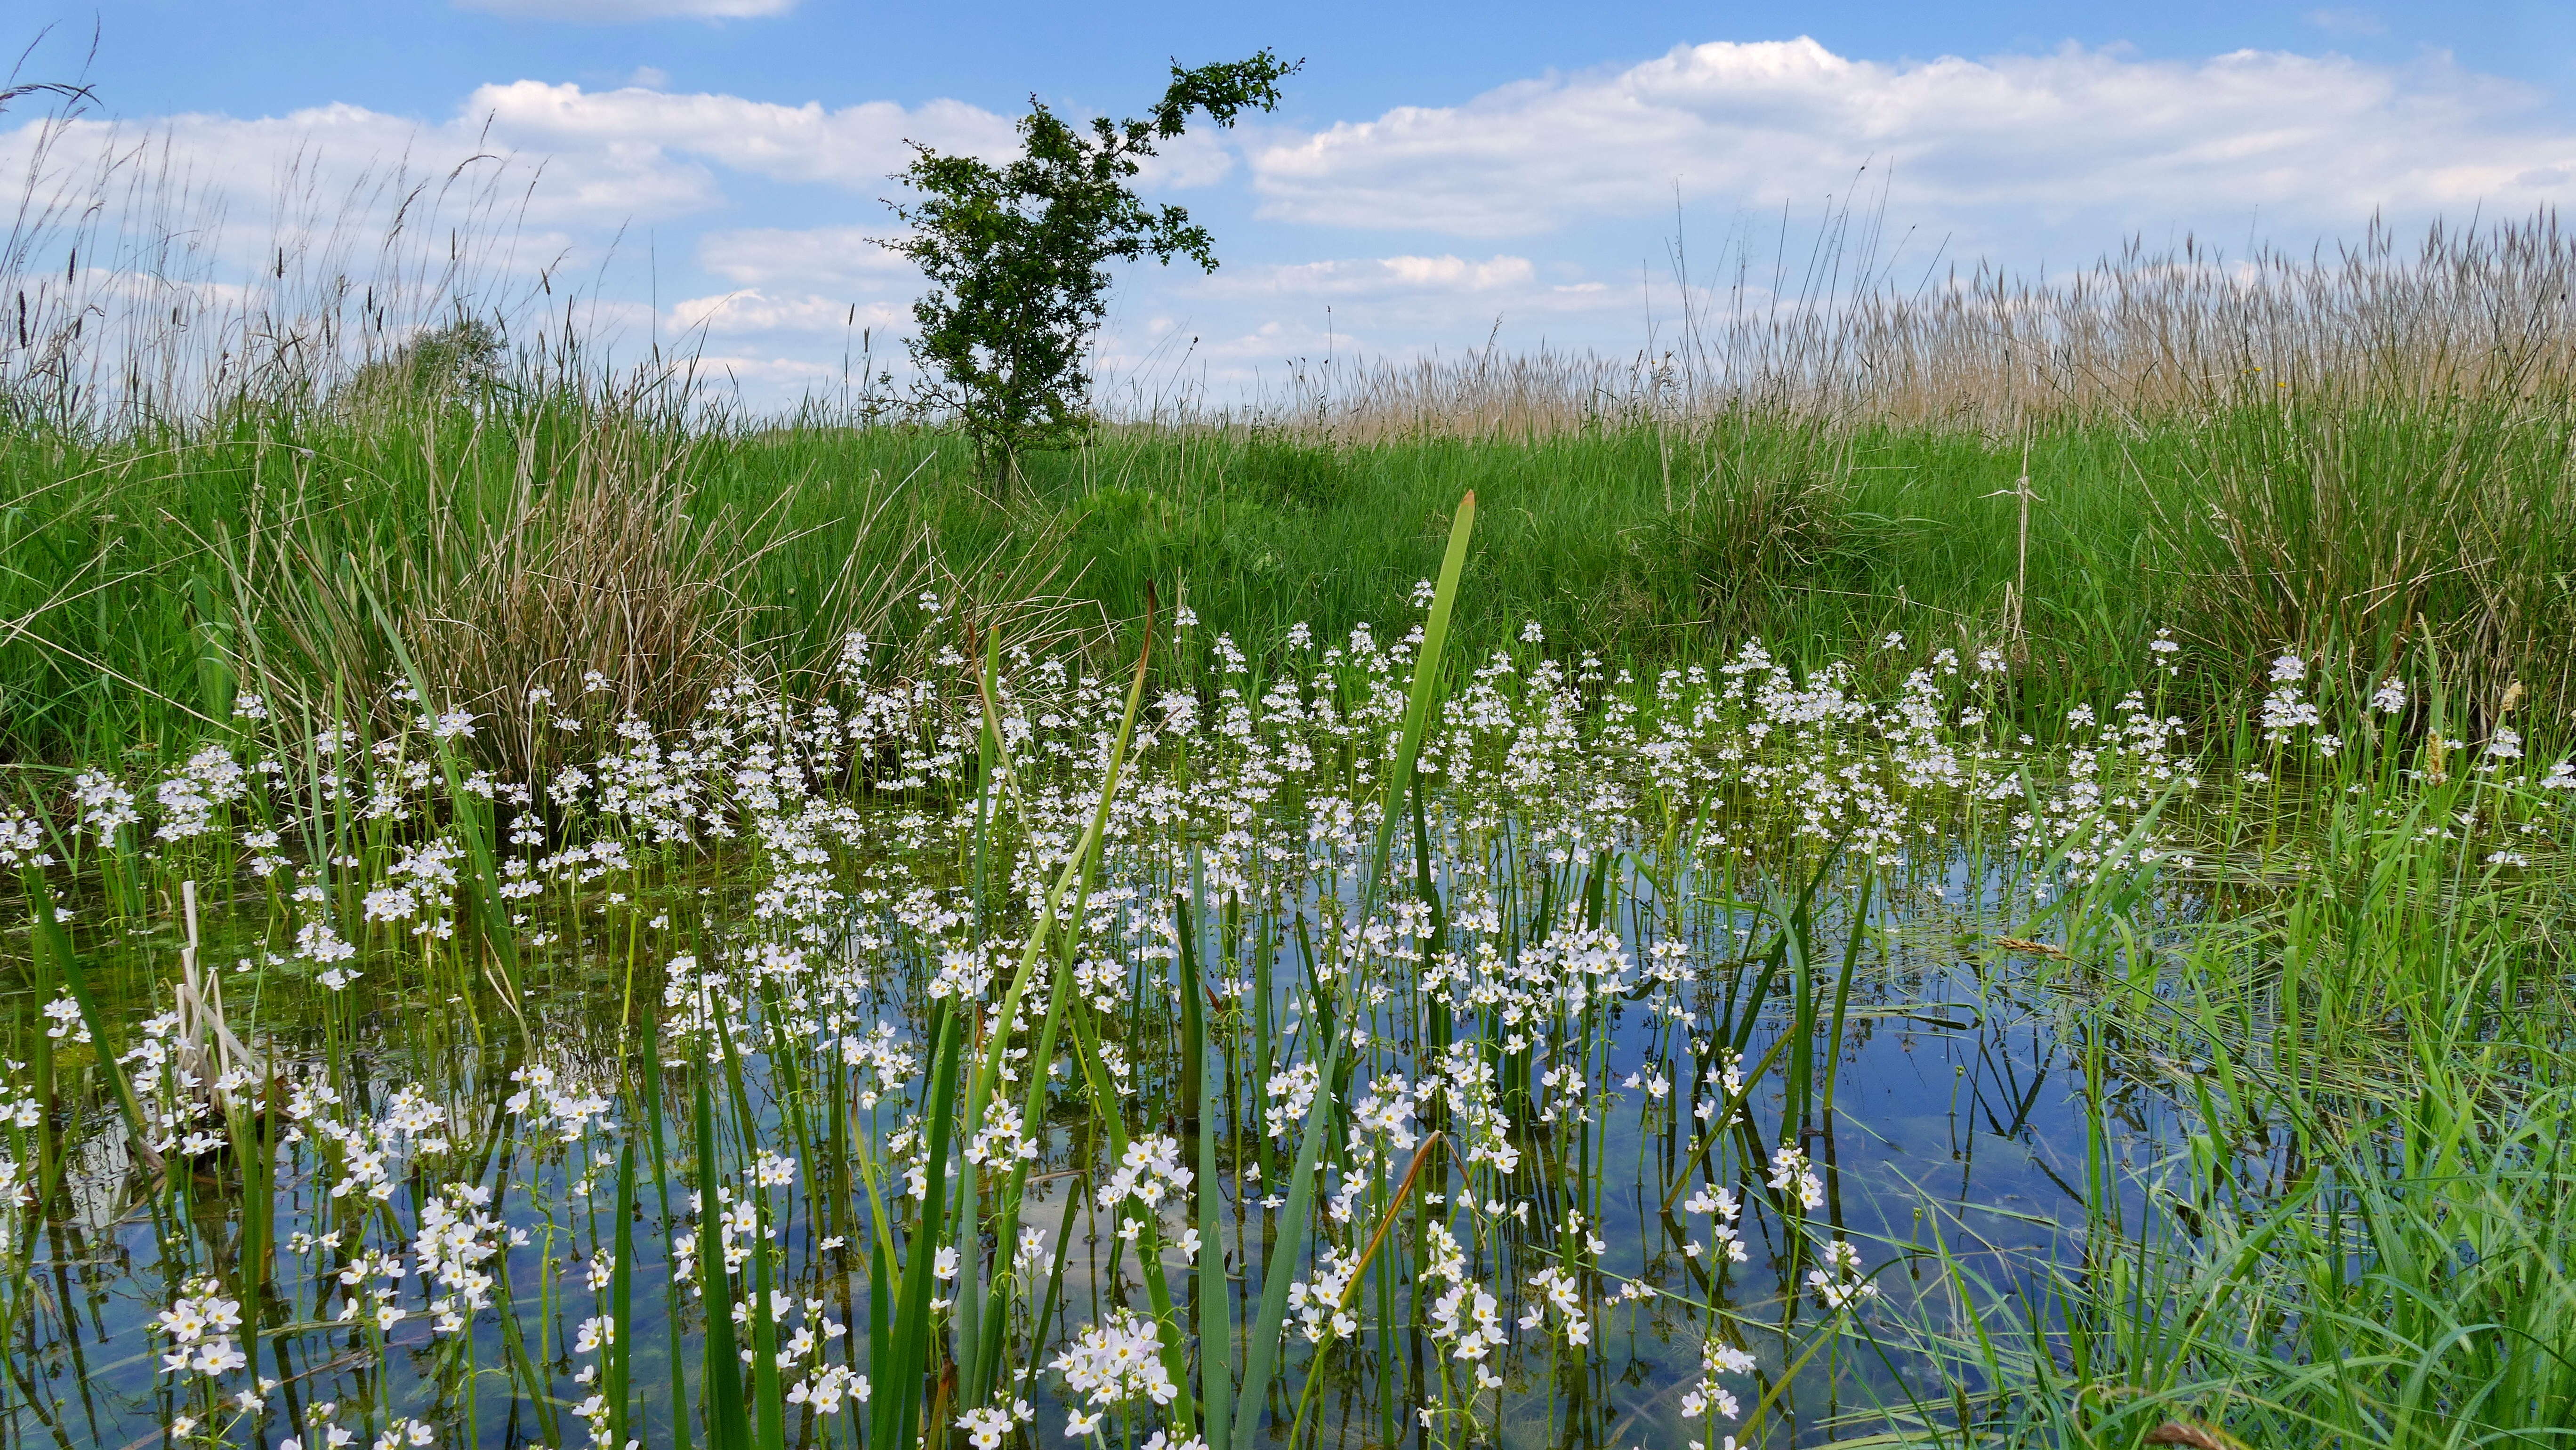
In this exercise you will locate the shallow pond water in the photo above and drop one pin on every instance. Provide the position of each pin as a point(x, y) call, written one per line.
point(1960, 1129)
point(1728, 1057)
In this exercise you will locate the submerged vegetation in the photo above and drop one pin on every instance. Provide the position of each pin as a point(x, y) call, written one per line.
point(1977, 867)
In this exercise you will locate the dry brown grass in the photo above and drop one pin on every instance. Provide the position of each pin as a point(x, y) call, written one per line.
point(593, 581)
point(2474, 312)
point(597, 568)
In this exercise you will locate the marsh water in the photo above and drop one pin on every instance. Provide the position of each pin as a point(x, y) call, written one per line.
point(1970, 1116)
point(1735, 1055)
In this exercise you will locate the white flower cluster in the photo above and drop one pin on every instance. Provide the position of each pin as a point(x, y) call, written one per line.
point(543, 1097)
point(1709, 1395)
point(1839, 1284)
point(22, 841)
point(1317, 1301)
point(457, 1236)
point(1291, 1093)
point(2284, 712)
point(999, 1138)
point(1793, 1178)
point(987, 1426)
point(1148, 1172)
point(1559, 1291)
point(190, 795)
point(1464, 1315)
point(1726, 1237)
point(1114, 1362)
point(200, 1326)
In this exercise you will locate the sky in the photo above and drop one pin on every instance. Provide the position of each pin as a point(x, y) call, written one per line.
point(714, 173)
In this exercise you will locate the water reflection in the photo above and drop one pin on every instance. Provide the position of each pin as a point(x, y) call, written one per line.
point(1970, 1116)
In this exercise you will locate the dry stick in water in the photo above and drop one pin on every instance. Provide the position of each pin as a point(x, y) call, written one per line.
point(2020, 591)
point(1359, 1271)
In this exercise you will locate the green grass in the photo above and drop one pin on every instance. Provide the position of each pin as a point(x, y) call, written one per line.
point(140, 577)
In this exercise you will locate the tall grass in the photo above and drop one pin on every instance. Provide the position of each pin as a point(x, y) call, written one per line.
point(527, 546)
point(1835, 329)
point(2365, 1233)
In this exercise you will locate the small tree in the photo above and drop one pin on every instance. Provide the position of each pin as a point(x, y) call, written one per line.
point(437, 367)
point(1017, 255)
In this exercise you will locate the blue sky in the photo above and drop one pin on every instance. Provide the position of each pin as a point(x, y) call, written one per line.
point(1439, 174)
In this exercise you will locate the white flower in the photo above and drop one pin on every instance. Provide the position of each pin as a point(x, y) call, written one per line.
point(1115, 1361)
point(985, 1427)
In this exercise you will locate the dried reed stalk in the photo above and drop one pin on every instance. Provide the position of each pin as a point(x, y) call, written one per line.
point(2464, 312)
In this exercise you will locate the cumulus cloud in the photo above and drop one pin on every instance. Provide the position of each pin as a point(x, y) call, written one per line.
point(855, 147)
point(576, 157)
point(752, 311)
point(849, 258)
point(1193, 158)
point(618, 11)
point(2319, 138)
point(1439, 294)
point(1375, 275)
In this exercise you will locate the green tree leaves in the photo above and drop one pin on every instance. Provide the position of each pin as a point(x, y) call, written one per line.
point(1017, 255)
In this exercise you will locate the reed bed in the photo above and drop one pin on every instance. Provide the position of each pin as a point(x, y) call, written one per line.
point(2142, 335)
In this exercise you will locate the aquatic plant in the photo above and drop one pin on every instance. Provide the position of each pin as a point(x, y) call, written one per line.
point(1333, 1040)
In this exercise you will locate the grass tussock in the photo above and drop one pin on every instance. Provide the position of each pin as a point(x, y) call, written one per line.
point(2361, 529)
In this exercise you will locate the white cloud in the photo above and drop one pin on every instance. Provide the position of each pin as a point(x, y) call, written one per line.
point(1193, 158)
point(1397, 297)
point(856, 147)
point(2346, 22)
point(614, 11)
point(1994, 142)
point(848, 258)
point(581, 157)
point(768, 380)
point(751, 311)
point(1376, 276)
